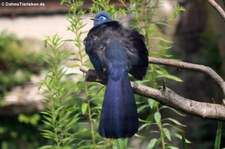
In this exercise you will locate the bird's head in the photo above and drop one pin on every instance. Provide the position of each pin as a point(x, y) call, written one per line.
point(101, 17)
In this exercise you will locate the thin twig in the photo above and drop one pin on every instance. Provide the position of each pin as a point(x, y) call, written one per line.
point(218, 8)
point(190, 66)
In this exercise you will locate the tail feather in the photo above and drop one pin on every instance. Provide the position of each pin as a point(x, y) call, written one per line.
point(119, 118)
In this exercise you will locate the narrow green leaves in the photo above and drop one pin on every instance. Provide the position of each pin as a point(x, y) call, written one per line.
point(152, 144)
point(59, 116)
point(84, 108)
point(218, 135)
point(167, 133)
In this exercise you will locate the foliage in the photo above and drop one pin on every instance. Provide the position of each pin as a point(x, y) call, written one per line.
point(17, 62)
point(87, 97)
point(19, 132)
point(209, 51)
point(61, 113)
point(210, 55)
point(218, 135)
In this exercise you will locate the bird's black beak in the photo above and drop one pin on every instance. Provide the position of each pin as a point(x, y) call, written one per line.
point(93, 19)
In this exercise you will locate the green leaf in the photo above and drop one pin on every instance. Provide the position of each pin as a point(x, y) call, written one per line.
point(163, 40)
point(151, 103)
point(142, 108)
point(218, 135)
point(167, 133)
point(84, 108)
point(23, 118)
point(144, 126)
point(157, 117)
point(173, 126)
point(121, 143)
point(184, 144)
point(48, 134)
point(172, 147)
point(180, 137)
point(174, 110)
point(152, 143)
point(171, 77)
point(175, 121)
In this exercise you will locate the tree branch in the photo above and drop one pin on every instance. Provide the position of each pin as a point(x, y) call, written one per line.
point(190, 66)
point(218, 8)
point(169, 97)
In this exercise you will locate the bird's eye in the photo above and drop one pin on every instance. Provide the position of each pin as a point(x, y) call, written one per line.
point(102, 18)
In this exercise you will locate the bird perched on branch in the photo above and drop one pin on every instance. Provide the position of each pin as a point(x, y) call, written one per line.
point(114, 52)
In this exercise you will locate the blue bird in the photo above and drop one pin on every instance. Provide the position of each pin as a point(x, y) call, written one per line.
point(114, 52)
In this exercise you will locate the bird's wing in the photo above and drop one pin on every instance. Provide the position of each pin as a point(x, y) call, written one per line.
point(137, 53)
point(93, 54)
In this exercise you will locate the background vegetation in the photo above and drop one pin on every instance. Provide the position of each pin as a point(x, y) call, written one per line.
point(17, 63)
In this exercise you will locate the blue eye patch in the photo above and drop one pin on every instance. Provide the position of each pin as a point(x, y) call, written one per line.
point(101, 18)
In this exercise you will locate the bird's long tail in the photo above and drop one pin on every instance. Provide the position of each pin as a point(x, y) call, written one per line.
point(119, 118)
